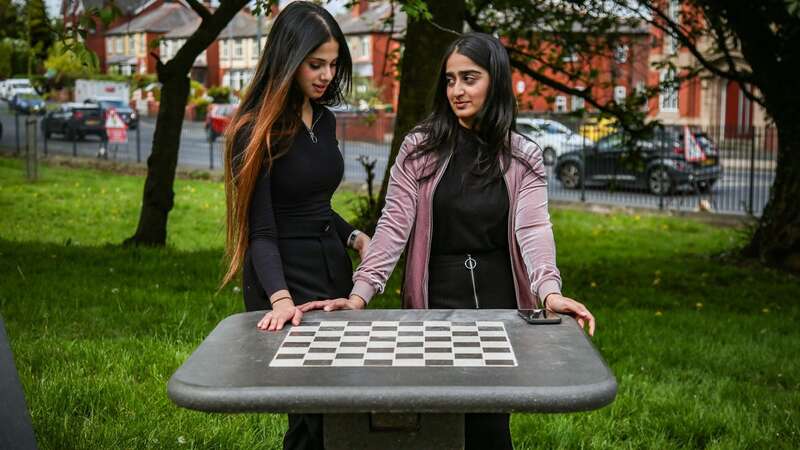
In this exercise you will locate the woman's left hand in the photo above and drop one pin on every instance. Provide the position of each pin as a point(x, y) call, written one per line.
point(565, 305)
point(361, 244)
point(354, 302)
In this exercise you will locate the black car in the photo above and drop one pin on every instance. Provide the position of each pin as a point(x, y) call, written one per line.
point(125, 112)
point(661, 164)
point(74, 121)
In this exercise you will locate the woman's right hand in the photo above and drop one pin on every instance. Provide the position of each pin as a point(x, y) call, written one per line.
point(354, 302)
point(282, 311)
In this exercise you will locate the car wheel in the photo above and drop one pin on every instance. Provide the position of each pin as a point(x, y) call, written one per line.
point(549, 156)
point(659, 181)
point(570, 175)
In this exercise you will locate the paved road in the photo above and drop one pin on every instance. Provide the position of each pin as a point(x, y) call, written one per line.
point(731, 194)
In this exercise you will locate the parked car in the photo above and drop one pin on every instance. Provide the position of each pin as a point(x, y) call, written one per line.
point(660, 164)
point(124, 110)
point(27, 103)
point(74, 121)
point(553, 137)
point(218, 117)
point(13, 86)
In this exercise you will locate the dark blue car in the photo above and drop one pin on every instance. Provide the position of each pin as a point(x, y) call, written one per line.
point(27, 103)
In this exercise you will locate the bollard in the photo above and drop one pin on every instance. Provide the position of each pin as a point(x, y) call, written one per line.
point(138, 142)
point(210, 153)
point(31, 156)
point(16, 128)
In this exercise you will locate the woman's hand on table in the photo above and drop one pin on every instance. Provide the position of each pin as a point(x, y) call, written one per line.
point(565, 305)
point(354, 302)
point(282, 311)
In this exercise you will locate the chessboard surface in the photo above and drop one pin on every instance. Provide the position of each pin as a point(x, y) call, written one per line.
point(396, 343)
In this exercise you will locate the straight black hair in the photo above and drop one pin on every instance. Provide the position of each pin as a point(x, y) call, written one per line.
point(492, 125)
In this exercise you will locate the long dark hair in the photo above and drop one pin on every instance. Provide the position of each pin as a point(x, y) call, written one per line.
point(492, 125)
point(270, 112)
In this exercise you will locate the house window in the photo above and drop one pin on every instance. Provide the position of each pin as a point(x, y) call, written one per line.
point(578, 102)
point(619, 94)
point(118, 44)
point(224, 47)
point(561, 104)
point(673, 12)
point(162, 49)
point(364, 47)
point(254, 49)
point(669, 91)
point(621, 54)
point(143, 42)
point(226, 79)
point(109, 45)
point(238, 50)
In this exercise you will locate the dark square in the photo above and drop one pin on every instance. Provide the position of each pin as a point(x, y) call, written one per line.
point(380, 350)
point(437, 328)
point(463, 324)
point(377, 362)
point(499, 362)
point(353, 344)
point(496, 350)
point(382, 338)
point(384, 328)
point(468, 356)
point(359, 324)
point(438, 350)
point(317, 362)
point(290, 356)
point(356, 333)
point(411, 324)
point(408, 356)
point(349, 355)
point(327, 339)
point(466, 344)
point(437, 339)
point(490, 328)
point(321, 350)
point(438, 362)
point(465, 333)
point(331, 328)
point(410, 333)
point(296, 344)
point(409, 344)
point(493, 339)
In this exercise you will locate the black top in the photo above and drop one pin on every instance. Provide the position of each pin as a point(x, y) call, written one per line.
point(469, 216)
point(298, 189)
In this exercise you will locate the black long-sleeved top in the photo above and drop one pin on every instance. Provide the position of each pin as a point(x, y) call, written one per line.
point(298, 188)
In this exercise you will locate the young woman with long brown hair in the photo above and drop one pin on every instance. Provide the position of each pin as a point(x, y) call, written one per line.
point(283, 165)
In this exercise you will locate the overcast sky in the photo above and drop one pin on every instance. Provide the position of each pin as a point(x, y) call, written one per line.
point(53, 6)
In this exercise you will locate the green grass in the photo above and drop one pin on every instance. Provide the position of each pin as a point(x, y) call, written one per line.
point(705, 349)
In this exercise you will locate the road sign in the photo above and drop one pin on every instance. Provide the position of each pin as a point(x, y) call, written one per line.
point(116, 130)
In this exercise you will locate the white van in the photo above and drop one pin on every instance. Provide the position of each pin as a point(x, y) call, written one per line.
point(13, 86)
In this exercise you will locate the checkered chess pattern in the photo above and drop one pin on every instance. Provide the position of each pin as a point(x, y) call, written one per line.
point(406, 344)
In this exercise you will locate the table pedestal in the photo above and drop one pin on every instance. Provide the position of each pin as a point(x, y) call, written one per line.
point(393, 431)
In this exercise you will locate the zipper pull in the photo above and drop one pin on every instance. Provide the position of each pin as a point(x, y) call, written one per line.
point(313, 136)
point(470, 264)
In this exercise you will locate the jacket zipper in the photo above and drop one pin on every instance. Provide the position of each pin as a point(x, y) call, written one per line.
point(430, 227)
point(511, 210)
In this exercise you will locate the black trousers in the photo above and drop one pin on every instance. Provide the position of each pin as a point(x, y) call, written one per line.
point(450, 286)
point(316, 267)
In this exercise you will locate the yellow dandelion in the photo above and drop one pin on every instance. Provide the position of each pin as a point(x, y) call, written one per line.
point(659, 313)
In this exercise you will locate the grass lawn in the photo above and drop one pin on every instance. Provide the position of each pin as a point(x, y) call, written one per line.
point(706, 350)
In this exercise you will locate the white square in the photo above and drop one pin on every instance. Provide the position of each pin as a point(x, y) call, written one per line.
point(438, 344)
point(292, 350)
point(333, 323)
point(324, 344)
point(355, 338)
point(498, 344)
point(467, 350)
point(439, 356)
point(410, 328)
point(383, 333)
point(329, 333)
point(409, 350)
point(286, 363)
point(466, 339)
point(437, 333)
point(437, 323)
point(418, 362)
point(348, 362)
point(410, 338)
point(492, 333)
point(318, 356)
point(384, 324)
point(486, 323)
point(468, 362)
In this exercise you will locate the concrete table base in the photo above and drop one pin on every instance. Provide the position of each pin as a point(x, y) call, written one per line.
point(394, 431)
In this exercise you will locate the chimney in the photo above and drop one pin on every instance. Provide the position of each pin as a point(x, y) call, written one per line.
point(359, 8)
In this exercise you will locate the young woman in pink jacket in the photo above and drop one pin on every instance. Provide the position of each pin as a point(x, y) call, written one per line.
point(468, 196)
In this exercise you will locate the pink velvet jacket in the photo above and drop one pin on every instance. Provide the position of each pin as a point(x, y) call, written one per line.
point(407, 218)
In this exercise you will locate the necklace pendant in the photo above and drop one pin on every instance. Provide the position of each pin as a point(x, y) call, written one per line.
point(312, 136)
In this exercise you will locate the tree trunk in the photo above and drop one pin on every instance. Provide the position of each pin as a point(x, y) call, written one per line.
point(776, 240)
point(158, 197)
point(425, 45)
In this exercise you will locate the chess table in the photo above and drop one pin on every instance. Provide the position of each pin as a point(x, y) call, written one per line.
point(395, 378)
